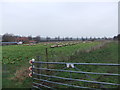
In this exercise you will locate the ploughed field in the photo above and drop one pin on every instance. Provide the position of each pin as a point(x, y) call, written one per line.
point(15, 60)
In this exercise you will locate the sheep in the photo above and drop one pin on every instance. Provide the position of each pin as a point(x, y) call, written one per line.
point(52, 46)
point(59, 45)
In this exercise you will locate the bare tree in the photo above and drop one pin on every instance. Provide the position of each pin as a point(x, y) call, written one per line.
point(48, 38)
point(8, 38)
point(30, 37)
point(37, 39)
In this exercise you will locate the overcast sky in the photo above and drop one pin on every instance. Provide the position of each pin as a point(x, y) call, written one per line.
point(94, 19)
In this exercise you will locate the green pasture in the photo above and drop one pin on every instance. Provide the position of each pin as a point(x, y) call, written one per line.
point(107, 54)
point(15, 60)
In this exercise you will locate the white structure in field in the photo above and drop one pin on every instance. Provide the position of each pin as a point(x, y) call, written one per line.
point(20, 43)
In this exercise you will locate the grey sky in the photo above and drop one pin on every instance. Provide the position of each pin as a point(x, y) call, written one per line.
point(94, 19)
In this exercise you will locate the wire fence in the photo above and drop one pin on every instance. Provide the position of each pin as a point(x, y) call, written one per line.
point(53, 78)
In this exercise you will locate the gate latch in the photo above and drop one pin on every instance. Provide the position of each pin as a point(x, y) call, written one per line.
point(70, 65)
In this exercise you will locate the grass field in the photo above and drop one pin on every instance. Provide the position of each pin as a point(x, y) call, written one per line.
point(107, 54)
point(15, 60)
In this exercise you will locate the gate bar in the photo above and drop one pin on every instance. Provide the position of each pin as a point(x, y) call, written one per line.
point(78, 71)
point(41, 85)
point(63, 84)
point(77, 79)
point(102, 64)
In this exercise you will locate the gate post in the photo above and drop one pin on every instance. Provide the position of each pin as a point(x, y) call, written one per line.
point(38, 66)
point(31, 68)
point(46, 51)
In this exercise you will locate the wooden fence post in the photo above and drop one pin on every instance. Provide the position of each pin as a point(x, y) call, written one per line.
point(46, 51)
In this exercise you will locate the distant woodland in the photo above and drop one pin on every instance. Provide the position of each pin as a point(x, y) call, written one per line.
point(25, 39)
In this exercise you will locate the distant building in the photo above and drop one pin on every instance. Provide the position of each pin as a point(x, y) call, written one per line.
point(20, 43)
point(32, 41)
point(22, 39)
point(8, 43)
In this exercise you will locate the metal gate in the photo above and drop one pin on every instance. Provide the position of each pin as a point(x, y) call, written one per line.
point(47, 75)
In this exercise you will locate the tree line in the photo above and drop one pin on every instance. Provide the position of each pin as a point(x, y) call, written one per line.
point(117, 37)
point(12, 38)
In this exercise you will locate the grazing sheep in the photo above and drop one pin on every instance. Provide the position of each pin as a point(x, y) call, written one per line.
point(59, 45)
point(45, 44)
point(52, 46)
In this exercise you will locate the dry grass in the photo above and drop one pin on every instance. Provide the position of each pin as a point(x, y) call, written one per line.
point(21, 74)
point(93, 48)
